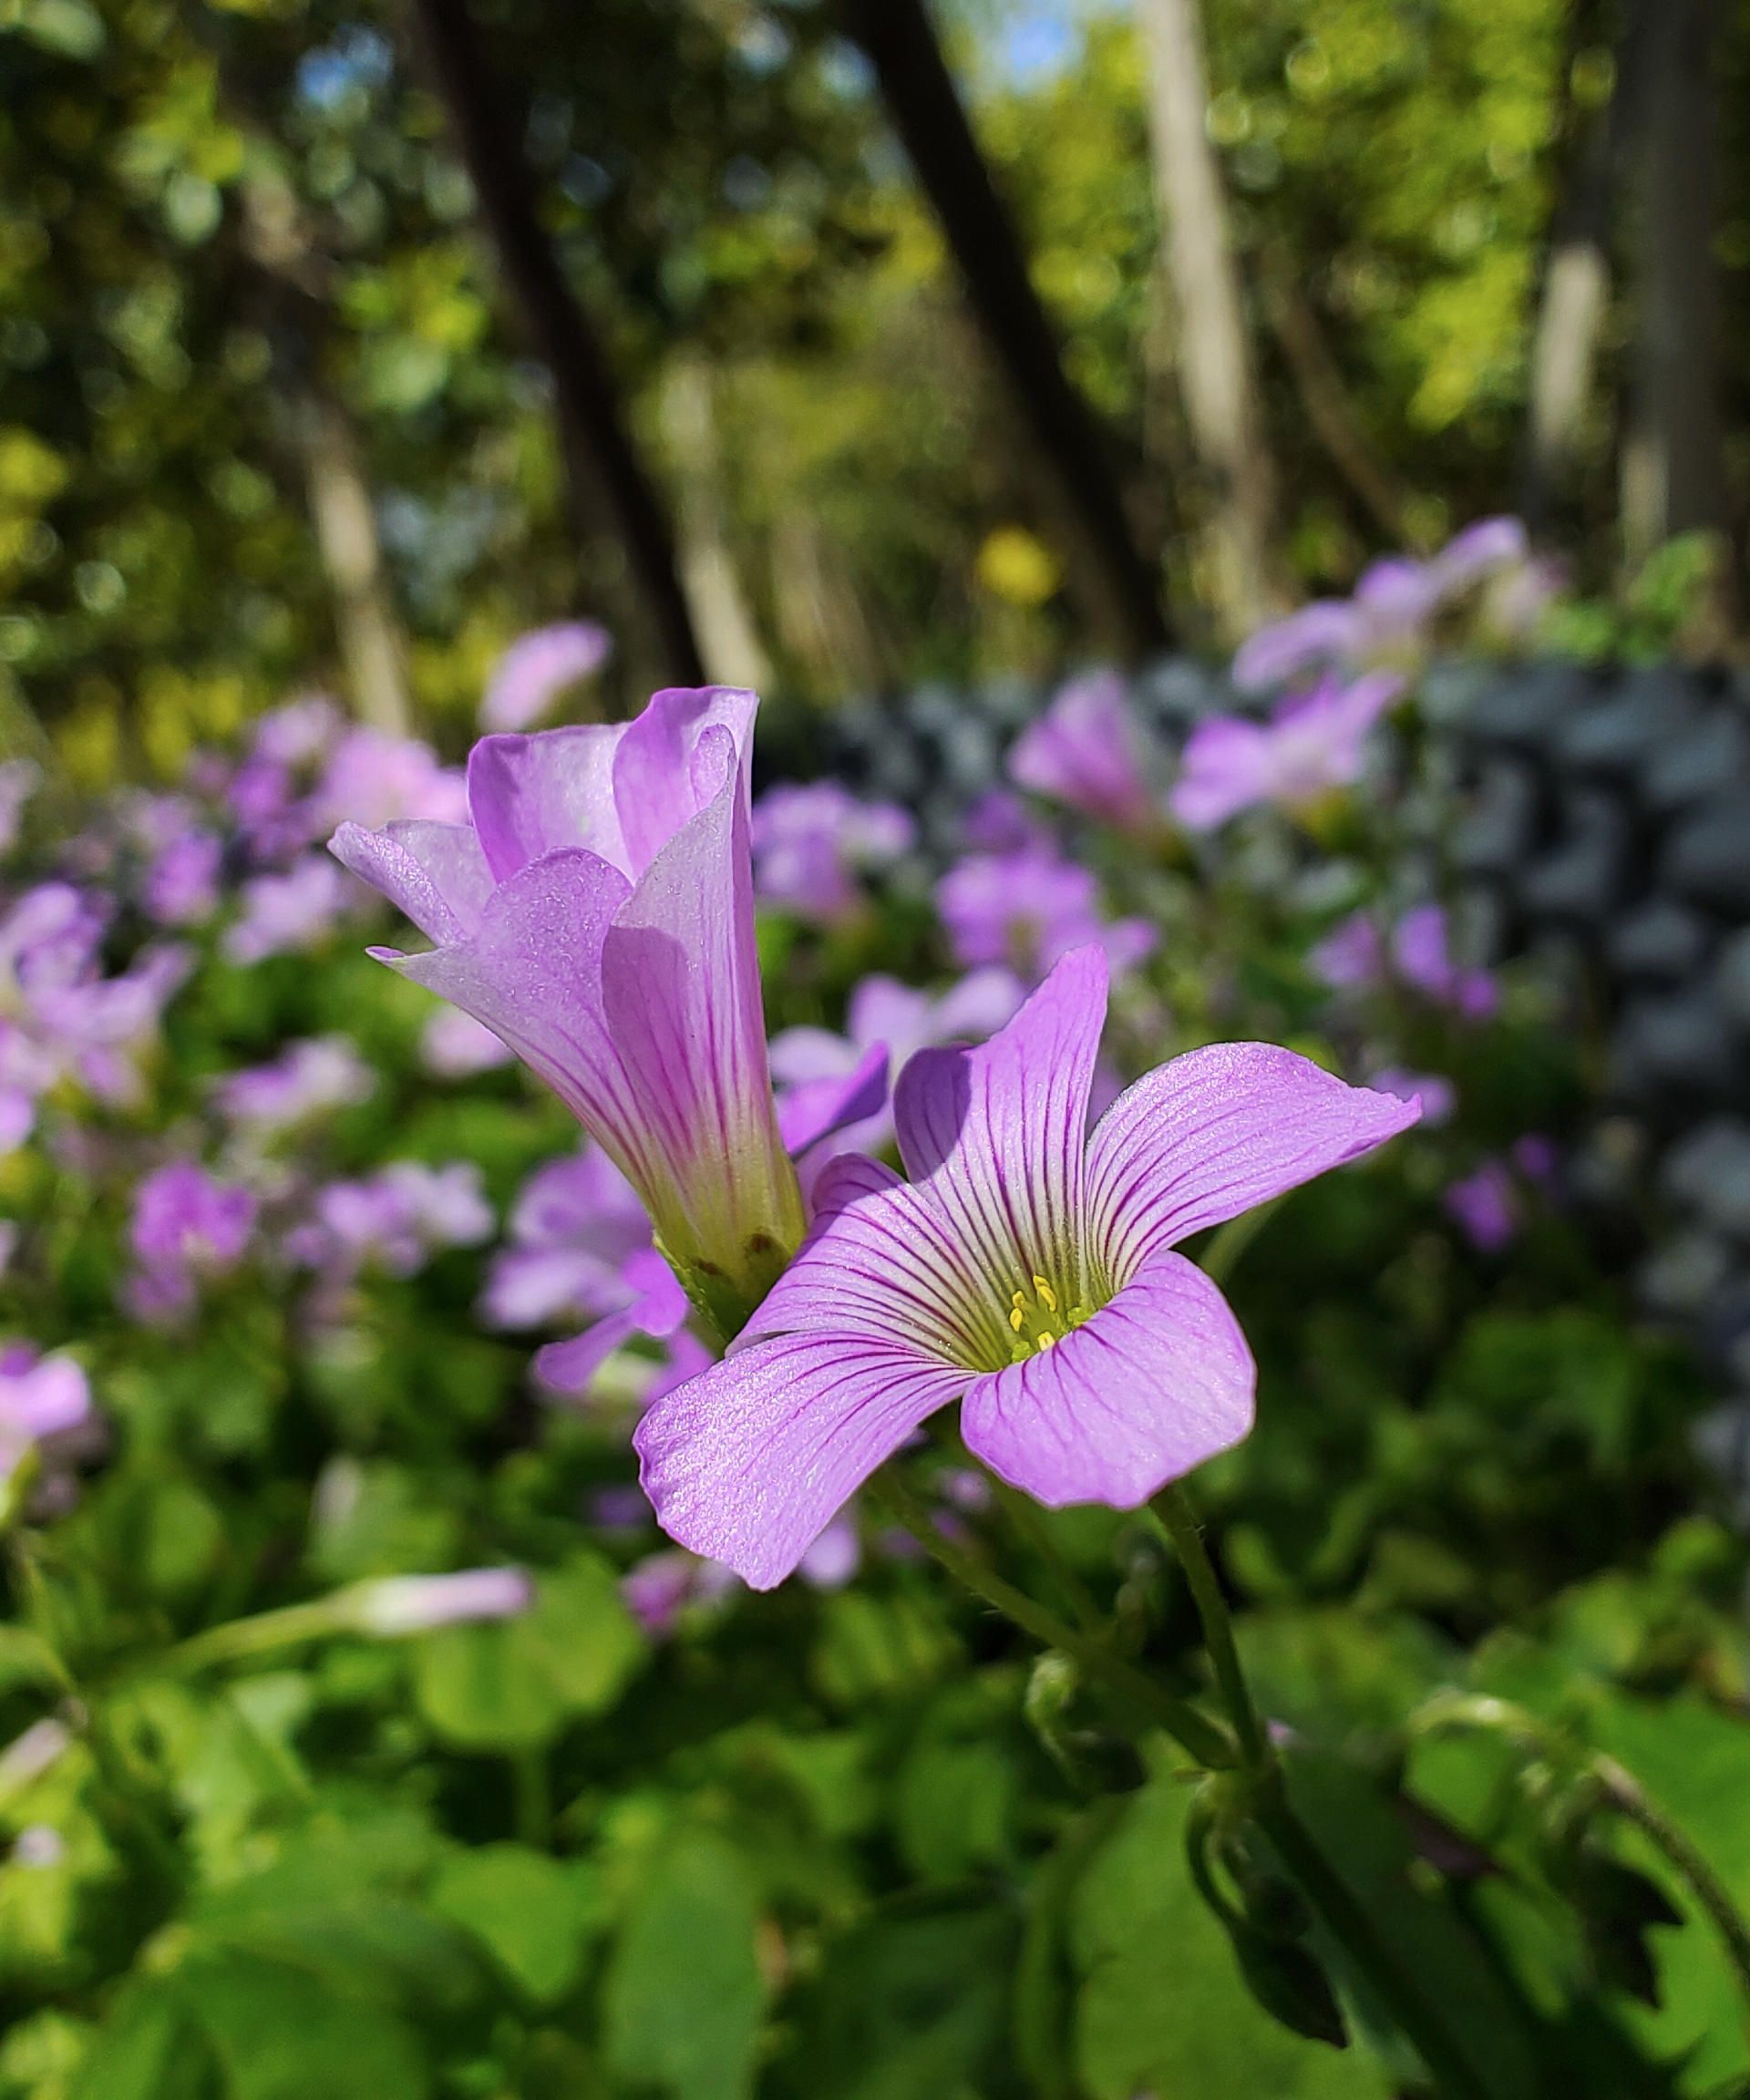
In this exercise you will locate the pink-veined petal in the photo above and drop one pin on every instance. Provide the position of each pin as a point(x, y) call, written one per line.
point(434, 874)
point(993, 1136)
point(681, 993)
point(1212, 1134)
point(880, 1263)
point(1155, 1383)
point(748, 1463)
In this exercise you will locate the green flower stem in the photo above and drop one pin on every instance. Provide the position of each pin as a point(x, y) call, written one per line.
point(264, 1634)
point(1023, 1513)
point(1346, 1920)
point(1205, 1740)
point(1624, 1793)
point(1173, 1518)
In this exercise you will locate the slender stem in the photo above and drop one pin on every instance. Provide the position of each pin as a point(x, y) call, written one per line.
point(1204, 1739)
point(1023, 1513)
point(1229, 1242)
point(1349, 1924)
point(1174, 1517)
point(1625, 1795)
point(260, 1635)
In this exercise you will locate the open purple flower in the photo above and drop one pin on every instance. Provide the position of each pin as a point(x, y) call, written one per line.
point(1026, 1269)
point(1088, 751)
point(1311, 745)
point(596, 912)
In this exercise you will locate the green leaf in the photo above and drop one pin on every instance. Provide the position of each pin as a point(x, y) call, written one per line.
point(283, 2034)
point(1163, 2005)
point(534, 1915)
point(515, 1684)
point(149, 2048)
point(684, 1995)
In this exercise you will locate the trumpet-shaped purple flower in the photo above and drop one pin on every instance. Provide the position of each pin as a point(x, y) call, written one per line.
point(1026, 1269)
point(538, 668)
point(596, 912)
point(1486, 1207)
point(1088, 751)
point(455, 1045)
point(397, 1605)
point(284, 913)
point(396, 1220)
point(1311, 745)
point(813, 844)
point(1422, 950)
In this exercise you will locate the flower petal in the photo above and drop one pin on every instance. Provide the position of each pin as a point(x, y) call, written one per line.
point(817, 1107)
point(530, 796)
point(750, 1462)
point(666, 768)
point(681, 993)
point(434, 874)
point(1212, 1134)
point(995, 1135)
point(879, 1265)
point(532, 972)
point(1155, 1383)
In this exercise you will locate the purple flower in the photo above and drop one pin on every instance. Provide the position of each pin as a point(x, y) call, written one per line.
point(1485, 1206)
point(1326, 632)
point(60, 1017)
point(812, 844)
point(573, 1228)
point(1421, 949)
point(19, 780)
point(44, 1401)
point(1480, 551)
point(374, 778)
point(596, 912)
point(1309, 746)
point(538, 668)
point(396, 1220)
point(284, 913)
point(999, 823)
point(181, 887)
point(187, 1228)
point(663, 1585)
point(885, 1014)
point(399, 1605)
point(1026, 1269)
point(1351, 954)
point(455, 1045)
point(307, 1079)
point(1536, 1158)
point(1027, 910)
point(1088, 751)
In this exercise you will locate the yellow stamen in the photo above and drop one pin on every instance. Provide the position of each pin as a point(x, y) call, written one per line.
point(1045, 1292)
point(1046, 1340)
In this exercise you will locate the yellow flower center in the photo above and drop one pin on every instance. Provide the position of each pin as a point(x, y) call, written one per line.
point(1039, 1317)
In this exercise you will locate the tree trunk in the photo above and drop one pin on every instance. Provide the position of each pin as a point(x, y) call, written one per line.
point(1673, 469)
point(599, 451)
point(927, 113)
point(728, 636)
point(1574, 294)
point(1218, 373)
point(352, 556)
